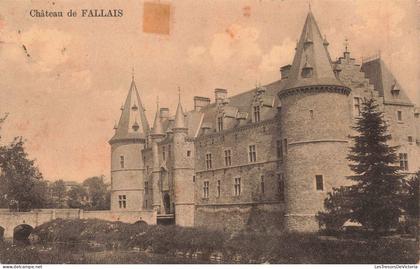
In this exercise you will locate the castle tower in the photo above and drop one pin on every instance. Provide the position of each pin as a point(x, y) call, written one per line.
point(157, 135)
point(183, 171)
point(315, 120)
point(127, 168)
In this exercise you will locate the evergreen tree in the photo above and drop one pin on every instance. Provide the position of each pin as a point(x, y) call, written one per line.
point(412, 206)
point(376, 196)
point(375, 199)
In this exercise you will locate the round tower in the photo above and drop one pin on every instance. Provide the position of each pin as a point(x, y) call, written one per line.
point(183, 171)
point(315, 120)
point(127, 167)
point(157, 135)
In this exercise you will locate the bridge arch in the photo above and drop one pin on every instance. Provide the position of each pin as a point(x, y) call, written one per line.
point(22, 232)
point(2, 230)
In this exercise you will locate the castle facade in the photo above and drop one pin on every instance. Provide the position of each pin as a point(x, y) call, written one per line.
point(263, 159)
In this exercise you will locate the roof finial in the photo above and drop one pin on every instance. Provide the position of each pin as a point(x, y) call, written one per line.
point(132, 73)
point(309, 3)
point(179, 94)
point(346, 44)
point(157, 101)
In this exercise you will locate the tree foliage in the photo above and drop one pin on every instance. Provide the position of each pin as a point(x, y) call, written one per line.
point(59, 193)
point(375, 198)
point(99, 196)
point(21, 182)
point(77, 196)
point(412, 199)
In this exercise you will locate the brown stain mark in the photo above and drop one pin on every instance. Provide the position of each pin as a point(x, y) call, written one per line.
point(156, 18)
point(246, 11)
point(230, 32)
point(26, 51)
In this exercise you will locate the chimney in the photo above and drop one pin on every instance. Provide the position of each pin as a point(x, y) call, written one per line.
point(200, 102)
point(284, 70)
point(220, 95)
point(164, 113)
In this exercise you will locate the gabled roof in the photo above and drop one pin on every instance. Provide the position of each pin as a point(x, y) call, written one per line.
point(384, 82)
point(311, 53)
point(133, 123)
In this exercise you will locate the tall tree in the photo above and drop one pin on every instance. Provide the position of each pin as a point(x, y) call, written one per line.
point(20, 181)
point(375, 198)
point(76, 197)
point(98, 193)
point(412, 200)
point(58, 191)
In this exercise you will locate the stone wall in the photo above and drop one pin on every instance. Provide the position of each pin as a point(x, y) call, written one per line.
point(251, 217)
point(9, 220)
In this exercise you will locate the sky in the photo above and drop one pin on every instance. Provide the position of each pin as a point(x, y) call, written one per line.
point(63, 80)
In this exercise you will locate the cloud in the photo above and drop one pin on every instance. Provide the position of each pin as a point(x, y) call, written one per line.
point(277, 56)
point(236, 43)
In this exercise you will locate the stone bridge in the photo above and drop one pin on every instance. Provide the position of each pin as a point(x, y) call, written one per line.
point(10, 220)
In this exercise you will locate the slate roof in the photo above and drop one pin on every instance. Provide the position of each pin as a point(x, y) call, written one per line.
point(133, 123)
point(384, 82)
point(311, 52)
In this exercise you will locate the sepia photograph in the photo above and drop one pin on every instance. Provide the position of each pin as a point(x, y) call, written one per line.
point(210, 132)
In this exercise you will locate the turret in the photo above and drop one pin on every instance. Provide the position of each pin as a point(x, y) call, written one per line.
point(315, 120)
point(156, 135)
point(127, 168)
point(183, 170)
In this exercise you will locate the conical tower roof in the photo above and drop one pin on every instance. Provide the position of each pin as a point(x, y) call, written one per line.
point(179, 116)
point(312, 62)
point(133, 123)
point(157, 124)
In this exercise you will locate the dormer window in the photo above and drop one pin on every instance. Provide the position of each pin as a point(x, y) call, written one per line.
point(136, 126)
point(307, 69)
point(307, 72)
point(256, 111)
point(395, 90)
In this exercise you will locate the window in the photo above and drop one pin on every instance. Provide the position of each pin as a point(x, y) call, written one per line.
point(169, 151)
point(188, 153)
point(205, 189)
point(410, 139)
point(193, 178)
point(122, 201)
point(280, 182)
point(218, 188)
point(279, 150)
point(256, 113)
point(285, 145)
point(262, 185)
point(163, 153)
point(208, 161)
point(311, 114)
point(252, 154)
point(146, 187)
point(237, 186)
point(356, 104)
point(319, 182)
point(228, 157)
point(399, 115)
point(220, 123)
point(122, 161)
point(403, 161)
